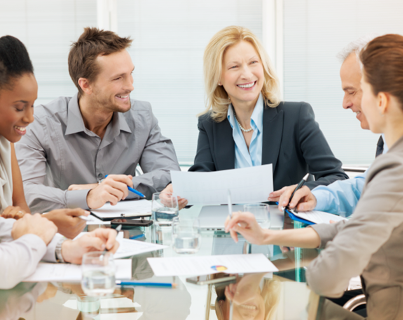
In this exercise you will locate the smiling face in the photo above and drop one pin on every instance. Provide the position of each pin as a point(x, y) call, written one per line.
point(17, 107)
point(350, 75)
point(242, 76)
point(113, 84)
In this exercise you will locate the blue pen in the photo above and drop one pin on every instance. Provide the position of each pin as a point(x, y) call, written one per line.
point(137, 237)
point(133, 190)
point(146, 284)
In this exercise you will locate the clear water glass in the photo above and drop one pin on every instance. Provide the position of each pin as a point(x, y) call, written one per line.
point(186, 235)
point(260, 211)
point(164, 208)
point(98, 274)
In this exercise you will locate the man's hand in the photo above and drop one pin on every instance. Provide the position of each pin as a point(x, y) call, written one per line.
point(168, 191)
point(303, 199)
point(34, 224)
point(112, 189)
point(245, 223)
point(68, 221)
point(82, 186)
point(13, 213)
point(97, 240)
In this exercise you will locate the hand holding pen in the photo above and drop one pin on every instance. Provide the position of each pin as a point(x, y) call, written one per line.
point(293, 195)
point(112, 189)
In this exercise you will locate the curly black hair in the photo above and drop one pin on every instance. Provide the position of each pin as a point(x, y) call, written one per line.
point(14, 61)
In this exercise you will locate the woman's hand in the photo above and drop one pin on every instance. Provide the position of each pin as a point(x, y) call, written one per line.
point(97, 240)
point(13, 213)
point(169, 191)
point(245, 223)
point(68, 221)
point(303, 199)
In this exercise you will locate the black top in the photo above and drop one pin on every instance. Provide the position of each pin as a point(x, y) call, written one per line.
point(292, 143)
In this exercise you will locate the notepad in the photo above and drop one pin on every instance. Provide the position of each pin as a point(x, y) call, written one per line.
point(314, 217)
point(123, 209)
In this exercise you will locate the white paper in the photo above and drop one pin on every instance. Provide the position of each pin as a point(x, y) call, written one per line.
point(72, 272)
point(247, 185)
point(318, 216)
point(127, 208)
point(355, 283)
point(237, 263)
point(129, 248)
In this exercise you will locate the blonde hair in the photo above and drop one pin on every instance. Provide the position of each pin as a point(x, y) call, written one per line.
point(217, 97)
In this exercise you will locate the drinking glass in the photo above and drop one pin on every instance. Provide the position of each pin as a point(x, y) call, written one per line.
point(164, 208)
point(260, 211)
point(186, 235)
point(98, 274)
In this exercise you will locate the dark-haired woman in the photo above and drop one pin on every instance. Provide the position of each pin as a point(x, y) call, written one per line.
point(18, 92)
point(370, 242)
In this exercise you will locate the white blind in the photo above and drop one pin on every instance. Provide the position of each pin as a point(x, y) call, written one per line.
point(167, 51)
point(47, 28)
point(314, 32)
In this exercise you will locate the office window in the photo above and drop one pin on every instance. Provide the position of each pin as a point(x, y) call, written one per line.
point(47, 28)
point(314, 32)
point(167, 51)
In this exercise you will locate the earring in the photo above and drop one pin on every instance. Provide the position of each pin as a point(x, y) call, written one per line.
point(219, 84)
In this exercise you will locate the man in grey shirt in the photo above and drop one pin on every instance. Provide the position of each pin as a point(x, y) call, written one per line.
point(75, 142)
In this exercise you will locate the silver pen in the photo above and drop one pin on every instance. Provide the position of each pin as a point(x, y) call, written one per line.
point(229, 204)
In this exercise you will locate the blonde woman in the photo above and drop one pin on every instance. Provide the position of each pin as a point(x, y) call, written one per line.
point(245, 124)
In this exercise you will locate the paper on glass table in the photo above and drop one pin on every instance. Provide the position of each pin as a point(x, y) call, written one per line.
point(72, 272)
point(128, 247)
point(237, 263)
point(130, 209)
point(247, 185)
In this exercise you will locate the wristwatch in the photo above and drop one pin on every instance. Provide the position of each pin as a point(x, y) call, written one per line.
point(58, 251)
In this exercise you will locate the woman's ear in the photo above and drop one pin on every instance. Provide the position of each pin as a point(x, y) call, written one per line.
point(383, 102)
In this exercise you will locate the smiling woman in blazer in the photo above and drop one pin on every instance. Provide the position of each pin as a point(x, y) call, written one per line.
point(245, 124)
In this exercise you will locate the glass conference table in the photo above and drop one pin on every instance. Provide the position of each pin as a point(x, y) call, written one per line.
point(282, 295)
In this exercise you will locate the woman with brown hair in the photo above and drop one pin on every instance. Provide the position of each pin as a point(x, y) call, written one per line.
point(369, 243)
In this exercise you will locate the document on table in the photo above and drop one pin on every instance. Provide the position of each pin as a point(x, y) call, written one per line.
point(247, 185)
point(317, 216)
point(129, 247)
point(72, 272)
point(237, 263)
point(123, 209)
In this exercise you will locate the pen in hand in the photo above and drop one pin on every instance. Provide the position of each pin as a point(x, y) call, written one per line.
point(118, 228)
point(299, 186)
point(133, 190)
point(229, 204)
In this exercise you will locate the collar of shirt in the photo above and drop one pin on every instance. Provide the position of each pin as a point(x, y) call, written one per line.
point(243, 157)
point(75, 122)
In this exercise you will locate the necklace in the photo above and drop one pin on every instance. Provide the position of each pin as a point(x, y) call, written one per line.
point(242, 128)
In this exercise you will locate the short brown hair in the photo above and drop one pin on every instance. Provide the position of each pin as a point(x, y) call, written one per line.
point(382, 61)
point(92, 43)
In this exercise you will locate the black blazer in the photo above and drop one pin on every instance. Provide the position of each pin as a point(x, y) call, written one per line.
point(292, 143)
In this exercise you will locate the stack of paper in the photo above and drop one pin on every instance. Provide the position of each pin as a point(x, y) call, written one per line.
point(314, 217)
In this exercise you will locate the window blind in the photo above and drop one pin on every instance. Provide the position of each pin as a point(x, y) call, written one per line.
point(167, 51)
point(47, 28)
point(314, 32)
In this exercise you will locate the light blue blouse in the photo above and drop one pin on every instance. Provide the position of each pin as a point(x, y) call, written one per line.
point(253, 157)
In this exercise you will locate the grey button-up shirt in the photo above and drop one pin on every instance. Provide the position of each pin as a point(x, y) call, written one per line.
point(58, 150)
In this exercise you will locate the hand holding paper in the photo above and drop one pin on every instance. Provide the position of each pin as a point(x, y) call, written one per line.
point(247, 185)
